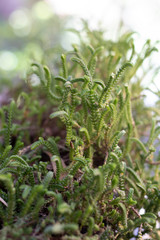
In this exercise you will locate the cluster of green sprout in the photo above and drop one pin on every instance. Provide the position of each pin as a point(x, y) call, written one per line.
point(94, 180)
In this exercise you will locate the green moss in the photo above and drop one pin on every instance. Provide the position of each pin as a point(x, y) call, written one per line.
point(75, 152)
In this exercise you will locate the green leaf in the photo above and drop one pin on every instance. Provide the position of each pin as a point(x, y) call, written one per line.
point(58, 113)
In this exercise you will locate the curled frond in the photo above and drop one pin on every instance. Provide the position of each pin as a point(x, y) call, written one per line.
point(85, 131)
point(82, 64)
point(64, 66)
point(61, 79)
point(101, 120)
point(57, 160)
point(106, 91)
point(19, 160)
point(129, 199)
point(48, 77)
point(46, 181)
point(49, 144)
point(117, 137)
point(134, 175)
point(40, 73)
point(120, 71)
point(92, 62)
point(58, 113)
point(37, 189)
point(140, 144)
point(48, 84)
point(133, 185)
point(75, 80)
point(77, 165)
point(98, 82)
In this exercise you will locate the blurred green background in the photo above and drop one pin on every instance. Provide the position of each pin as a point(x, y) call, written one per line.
point(30, 31)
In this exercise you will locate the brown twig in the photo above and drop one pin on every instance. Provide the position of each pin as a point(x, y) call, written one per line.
point(153, 163)
point(136, 212)
point(24, 150)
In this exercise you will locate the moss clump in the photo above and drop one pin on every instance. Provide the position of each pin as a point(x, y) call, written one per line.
point(73, 162)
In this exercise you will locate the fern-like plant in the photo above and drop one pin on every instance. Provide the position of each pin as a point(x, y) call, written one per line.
point(74, 152)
